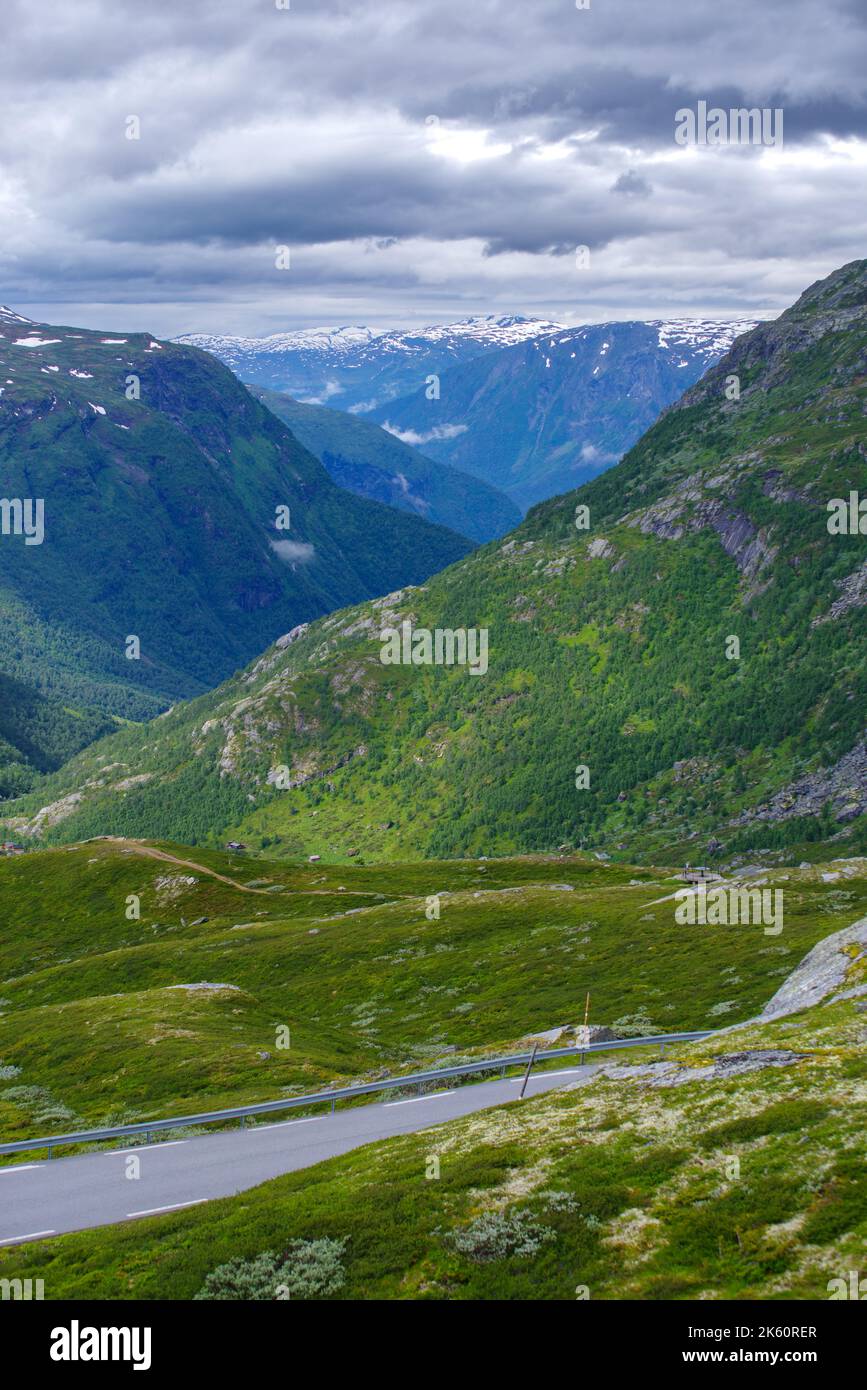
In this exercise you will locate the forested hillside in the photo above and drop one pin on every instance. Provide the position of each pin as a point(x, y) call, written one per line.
point(153, 483)
point(39, 734)
point(367, 460)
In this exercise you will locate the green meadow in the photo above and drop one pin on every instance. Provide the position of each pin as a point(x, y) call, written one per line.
point(110, 1017)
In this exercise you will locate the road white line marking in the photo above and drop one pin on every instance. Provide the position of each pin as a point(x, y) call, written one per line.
point(154, 1211)
point(31, 1235)
point(414, 1100)
point(284, 1124)
point(21, 1168)
point(546, 1075)
point(149, 1148)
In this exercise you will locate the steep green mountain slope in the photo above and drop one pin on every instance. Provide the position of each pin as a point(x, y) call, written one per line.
point(371, 462)
point(38, 734)
point(160, 478)
point(610, 648)
point(178, 1009)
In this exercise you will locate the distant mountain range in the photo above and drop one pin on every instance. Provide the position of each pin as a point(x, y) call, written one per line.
point(532, 408)
point(546, 415)
point(680, 671)
point(367, 460)
point(358, 369)
point(160, 479)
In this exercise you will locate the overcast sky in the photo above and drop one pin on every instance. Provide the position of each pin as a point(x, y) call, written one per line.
point(423, 159)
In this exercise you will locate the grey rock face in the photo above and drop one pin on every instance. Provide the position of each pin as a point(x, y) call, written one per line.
point(733, 1064)
point(821, 972)
point(853, 594)
point(844, 785)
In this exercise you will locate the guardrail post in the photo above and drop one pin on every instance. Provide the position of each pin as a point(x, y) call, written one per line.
point(332, 1106)
point(243, 1121)
point(49, 1151)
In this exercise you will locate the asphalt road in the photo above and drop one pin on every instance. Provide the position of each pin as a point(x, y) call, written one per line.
point(73, 1194)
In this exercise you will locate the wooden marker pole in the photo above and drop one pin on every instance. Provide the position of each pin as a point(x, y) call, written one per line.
point(586, 1016)
point(527, 1072)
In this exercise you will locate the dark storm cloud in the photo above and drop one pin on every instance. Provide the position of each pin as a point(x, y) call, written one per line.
point(395, 193)
point(632, 185)
point(429, 151)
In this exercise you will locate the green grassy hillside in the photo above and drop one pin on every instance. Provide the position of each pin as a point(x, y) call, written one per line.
point(699, 649)
point(353, 960)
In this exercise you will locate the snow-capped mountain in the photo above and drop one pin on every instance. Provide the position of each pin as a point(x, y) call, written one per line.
point(540, 417)
point(702, 338)
point(8, 315)
point(488, 330)
point(532, 407)
point(358, 369)
point(330, 341)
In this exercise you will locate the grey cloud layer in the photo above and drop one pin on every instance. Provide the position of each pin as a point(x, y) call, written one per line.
point(422, 156)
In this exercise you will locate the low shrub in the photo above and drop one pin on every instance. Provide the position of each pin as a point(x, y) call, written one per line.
point(306, 1269)
point(501, 1235)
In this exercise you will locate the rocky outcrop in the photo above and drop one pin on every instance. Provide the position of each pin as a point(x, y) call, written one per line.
point(853, 594)
point(775, 486)
point(844, 785)
point(664, 1074)
point(52, 814)
point(832, 305)
point(206, 987)
point(311, 773)
point(822, 972)
point(289, 637)
point(689, 510)
point(600, 548)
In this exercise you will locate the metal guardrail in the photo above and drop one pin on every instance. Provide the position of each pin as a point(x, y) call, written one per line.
point(148, 1127)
